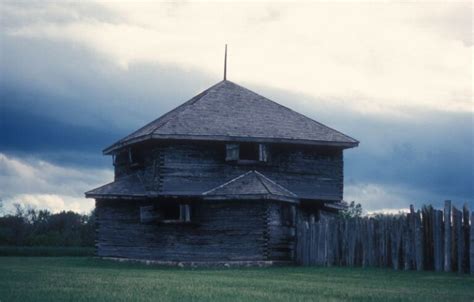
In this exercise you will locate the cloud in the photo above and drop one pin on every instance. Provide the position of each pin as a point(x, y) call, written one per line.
point(44, 185)
point(452, 22)
point(68, 109)
point(395, 198)
point(390, 57)
point(75, 78)
point(52, 202)
point(376, 197)
point(50, 77)
point(16, 14)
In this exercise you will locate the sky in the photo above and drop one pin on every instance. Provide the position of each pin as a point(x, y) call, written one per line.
point(397, 76)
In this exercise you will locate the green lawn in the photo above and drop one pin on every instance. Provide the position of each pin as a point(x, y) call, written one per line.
point(89, 279)
point(47, 251)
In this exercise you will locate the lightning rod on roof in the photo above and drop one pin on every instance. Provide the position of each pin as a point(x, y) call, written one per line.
point(225, 63)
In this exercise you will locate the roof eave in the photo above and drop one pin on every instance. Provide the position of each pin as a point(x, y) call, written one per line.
point(209, 197)
point(110, 150)
point(114, 196)
point(273, 197)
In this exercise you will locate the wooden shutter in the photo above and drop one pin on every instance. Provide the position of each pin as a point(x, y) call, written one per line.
point(148, 214)
point(292, 215)
point(185, 212)
point(232, 152)
point(262, 152)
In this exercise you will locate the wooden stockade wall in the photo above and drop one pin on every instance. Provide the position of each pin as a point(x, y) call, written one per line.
point(427, 239)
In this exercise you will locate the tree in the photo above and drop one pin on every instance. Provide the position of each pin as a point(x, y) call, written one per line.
point(352, 210)
point(29, 226)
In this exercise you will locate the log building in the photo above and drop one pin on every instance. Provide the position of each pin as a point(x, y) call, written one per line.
point(222, 178)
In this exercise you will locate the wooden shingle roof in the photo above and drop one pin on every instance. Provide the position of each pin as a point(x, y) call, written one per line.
point(229, 112)
point(251, 185)
point(129, 186)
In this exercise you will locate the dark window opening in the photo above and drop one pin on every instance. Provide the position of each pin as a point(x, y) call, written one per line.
point(165, 213)
point(249, 151)
point(137, 158)
point(246, 152)
point(170, 212)
point(121, 158)
point(134, 157)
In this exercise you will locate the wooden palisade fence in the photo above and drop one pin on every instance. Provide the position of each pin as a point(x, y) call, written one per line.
point(427, 239)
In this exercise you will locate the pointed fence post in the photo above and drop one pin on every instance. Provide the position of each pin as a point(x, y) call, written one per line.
point(419, 239)
point(471, 248)
point(447, 236)
point(458, 240)
point(396, 238)
point(427, 220)
point(437, 240)
point(465, 253)
point(307, 242)
point(371, 244)
point(410, 247)
point(311, 243)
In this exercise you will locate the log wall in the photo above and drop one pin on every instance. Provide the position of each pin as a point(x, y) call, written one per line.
point(179, 168)
point(218, 231)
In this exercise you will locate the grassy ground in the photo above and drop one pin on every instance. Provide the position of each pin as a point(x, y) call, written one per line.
point(89, 279)
point(46, 251)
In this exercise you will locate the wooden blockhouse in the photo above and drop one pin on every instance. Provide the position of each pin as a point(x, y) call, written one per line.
point(225, 177)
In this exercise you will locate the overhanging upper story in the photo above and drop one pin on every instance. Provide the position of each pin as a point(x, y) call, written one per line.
point(217, 138)
point(185, 169)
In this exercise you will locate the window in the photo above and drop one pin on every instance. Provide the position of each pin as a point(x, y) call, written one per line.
point(246, 152)
point(185, 212)
point(172, 212)
point(148, 214)
point(232, 152)
point(137, 158)
point(121, 158)
point(132, 157)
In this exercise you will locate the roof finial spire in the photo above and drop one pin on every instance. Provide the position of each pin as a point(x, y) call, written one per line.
point(225, 63)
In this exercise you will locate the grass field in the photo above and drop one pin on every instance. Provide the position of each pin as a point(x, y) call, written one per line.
point(46, 251)
point(89, 279)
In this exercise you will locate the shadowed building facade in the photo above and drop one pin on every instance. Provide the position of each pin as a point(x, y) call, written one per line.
point(224, 177)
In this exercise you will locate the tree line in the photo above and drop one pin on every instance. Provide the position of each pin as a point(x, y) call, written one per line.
point(28, 226)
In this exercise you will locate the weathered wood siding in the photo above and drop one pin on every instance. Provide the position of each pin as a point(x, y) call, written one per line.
point(192, 168)
point(220, 231)
point(412, 241)
point(281, 233)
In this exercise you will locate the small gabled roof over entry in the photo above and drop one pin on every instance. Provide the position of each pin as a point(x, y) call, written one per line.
point(229, 112)
point(251, 185)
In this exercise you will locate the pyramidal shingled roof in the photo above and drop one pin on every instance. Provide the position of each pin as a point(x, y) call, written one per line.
point(251, 183)
point(229, 112)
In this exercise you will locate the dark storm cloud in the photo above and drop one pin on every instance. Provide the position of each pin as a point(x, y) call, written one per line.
point(63, 103)
point(59, 98)
point(427, 156)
